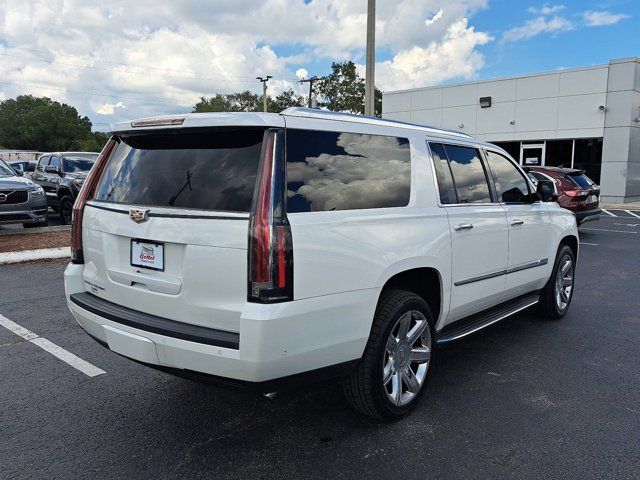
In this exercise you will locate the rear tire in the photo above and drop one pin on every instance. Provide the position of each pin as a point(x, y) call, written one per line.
point(555, 297)
point(66, 208)
point(392, 374)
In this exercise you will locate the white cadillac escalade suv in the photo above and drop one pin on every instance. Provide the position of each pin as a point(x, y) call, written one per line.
point(260, 249)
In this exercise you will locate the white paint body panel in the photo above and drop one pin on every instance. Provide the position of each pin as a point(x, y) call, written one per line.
point(342, 260)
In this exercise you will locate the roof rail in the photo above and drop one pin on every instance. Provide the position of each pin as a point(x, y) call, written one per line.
point(330, 115)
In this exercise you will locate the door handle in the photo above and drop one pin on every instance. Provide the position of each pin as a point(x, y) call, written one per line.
point(517, 222)
point(463, 226)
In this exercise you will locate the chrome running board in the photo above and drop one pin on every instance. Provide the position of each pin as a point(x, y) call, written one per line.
point(478, 321)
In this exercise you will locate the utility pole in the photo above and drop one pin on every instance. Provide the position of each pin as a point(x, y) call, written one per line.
point(310, 81)
point(369, 82)
point(264, 89)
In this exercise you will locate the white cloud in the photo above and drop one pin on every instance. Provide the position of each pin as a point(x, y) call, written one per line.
point(546, 9)
point(599, 18)
point(537, 26)
point(109, 108)
point(454, 56)
point(160, 57)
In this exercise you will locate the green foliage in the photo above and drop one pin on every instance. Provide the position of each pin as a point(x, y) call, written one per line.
point(39, 123)
point(93, 143)
point(247, 102)
point(343, 90)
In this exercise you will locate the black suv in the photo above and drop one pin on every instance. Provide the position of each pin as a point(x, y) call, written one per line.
point(61, 175)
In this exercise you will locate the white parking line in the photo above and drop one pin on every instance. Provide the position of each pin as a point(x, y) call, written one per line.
point(608, 212)
point(632, 214)
point(587, 243)
point(604, 230)
point(59, 352)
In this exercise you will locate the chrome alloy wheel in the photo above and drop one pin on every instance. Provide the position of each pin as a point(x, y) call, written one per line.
point(406, 358)
point(564, 283)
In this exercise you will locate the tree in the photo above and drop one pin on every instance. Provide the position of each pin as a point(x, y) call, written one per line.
point(93, 143)
point(343, 90)
point(284, 100)
point(39, 123)
point(247, 102)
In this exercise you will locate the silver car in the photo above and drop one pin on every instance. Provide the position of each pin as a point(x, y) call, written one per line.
point(21, 200)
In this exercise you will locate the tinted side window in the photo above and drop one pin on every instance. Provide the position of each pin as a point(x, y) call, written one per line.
point(511, 185)
point(468, 174)
point(344, 171)
point(43, 162)
point(443, 174)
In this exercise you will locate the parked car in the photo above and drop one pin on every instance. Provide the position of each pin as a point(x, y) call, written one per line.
point(62, 174)
point(575, 191)
point(21, 200)
point(262, 249)
point(24, 167)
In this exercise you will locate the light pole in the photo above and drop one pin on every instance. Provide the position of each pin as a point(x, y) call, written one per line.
point(369, 82)
point(264, 89)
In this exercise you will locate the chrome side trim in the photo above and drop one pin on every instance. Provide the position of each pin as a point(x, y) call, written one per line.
point(497, 319)
point(519, 268)
point(526, 266)
point(480, 278)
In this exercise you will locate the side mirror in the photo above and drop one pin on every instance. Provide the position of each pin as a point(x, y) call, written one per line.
point(18, 169)
point(547, 191)
point(55, 169)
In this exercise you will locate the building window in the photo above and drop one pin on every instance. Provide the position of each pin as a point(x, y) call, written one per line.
point(588, 157)
point(558, 153)
point(512, 148)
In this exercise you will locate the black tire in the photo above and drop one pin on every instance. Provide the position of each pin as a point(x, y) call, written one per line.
point(548, 305)
point(364, 388)
point(65, 209)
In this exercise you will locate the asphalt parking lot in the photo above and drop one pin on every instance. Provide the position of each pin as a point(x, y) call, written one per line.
point(524, 398)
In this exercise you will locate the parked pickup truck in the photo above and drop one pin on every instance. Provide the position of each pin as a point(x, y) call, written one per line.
point(61, 175)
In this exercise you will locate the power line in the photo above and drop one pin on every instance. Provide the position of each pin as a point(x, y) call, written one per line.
point(51, 62)
point(115, 97)
point(92, 59)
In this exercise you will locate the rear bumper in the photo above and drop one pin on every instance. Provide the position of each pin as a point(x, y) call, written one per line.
point(274, 342)
point(587, 215)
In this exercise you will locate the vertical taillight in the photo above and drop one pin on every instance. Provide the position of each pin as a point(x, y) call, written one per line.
point(86, 193)
point(270, 259)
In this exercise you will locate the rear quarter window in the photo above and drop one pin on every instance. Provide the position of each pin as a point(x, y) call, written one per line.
point(209, 169)
point(345, 171)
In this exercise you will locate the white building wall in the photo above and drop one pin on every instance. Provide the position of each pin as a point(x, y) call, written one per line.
point(591, 102)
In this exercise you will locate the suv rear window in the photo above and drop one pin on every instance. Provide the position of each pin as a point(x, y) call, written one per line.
point(207, 169)
point(346, 171)
point(581, 181)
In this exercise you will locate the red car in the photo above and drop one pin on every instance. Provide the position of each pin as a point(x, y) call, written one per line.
point(576, 191)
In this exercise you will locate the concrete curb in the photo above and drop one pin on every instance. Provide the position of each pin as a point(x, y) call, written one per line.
point(29, 255)
point(27, 231)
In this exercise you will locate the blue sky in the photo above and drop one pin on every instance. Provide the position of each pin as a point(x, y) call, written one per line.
point(582, 46)
point(119, 60)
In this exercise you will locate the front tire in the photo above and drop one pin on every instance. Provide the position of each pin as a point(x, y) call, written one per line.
point(556, 296)
point(393, 371)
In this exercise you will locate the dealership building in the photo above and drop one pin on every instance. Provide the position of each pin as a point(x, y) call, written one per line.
point(586, 118)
